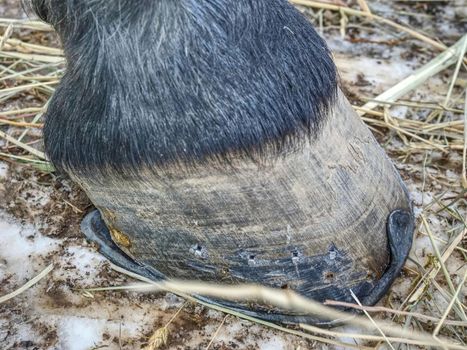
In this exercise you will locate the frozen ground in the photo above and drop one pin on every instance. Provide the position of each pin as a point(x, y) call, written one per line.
point(40, 214)
point(55, 315)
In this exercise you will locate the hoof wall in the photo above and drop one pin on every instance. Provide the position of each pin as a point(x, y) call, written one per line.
point(400, 227)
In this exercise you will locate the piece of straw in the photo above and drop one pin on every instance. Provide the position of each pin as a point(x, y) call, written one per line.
point(28, 285)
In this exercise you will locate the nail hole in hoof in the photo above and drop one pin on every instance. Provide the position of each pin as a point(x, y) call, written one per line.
point(329, 276)
point(332, 252)
point(251, 259)
point(295, 256)
point(199, 251)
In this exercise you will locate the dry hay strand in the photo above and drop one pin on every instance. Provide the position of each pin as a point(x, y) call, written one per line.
point(161, 335)
point(284, 299)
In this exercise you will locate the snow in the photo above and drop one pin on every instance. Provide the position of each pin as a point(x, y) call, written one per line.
point(81, 323)
point(3, 170)
point(381, 74)
point(420, 198)
point(84, 260)
point(275, 343)
point(80, 333)
point(22, 243)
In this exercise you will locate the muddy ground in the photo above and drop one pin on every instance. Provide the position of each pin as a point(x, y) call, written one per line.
point(40, 213)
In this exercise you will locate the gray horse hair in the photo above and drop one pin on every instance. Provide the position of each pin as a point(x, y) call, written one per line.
point(151, 83)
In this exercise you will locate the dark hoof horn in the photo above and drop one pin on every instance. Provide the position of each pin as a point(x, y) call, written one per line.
point(400, 226)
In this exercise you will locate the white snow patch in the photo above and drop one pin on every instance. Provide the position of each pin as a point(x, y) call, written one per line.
point(25, 332)
point(20, 248)
point(382, 74)
point(3, 328)
point(420, 198)
point(76, 333)
point(84, 260)
point(399, 111)
point(37, 198)
point(3, 170)
point(275, 343)
point(170, 301)
point(211, 313)
point(451, 175)
point(422, 247)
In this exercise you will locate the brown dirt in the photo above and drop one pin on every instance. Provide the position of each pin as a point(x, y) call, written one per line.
point(55, 205)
